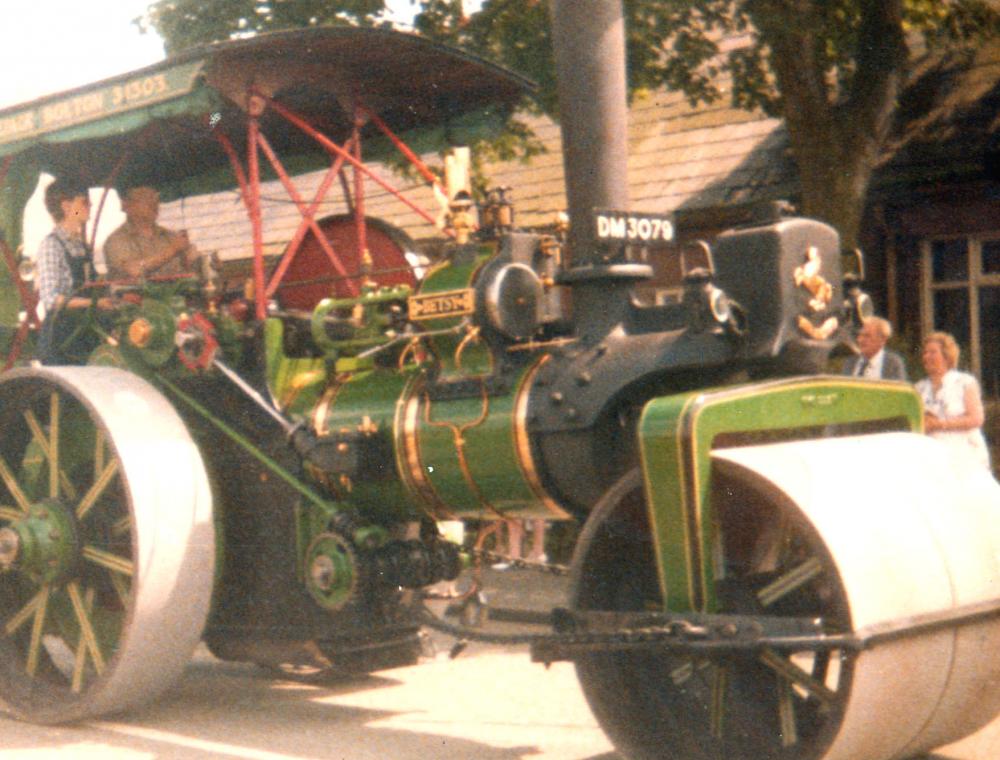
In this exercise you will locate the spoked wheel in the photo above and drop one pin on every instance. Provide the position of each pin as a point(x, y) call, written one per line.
point(764, 706)
point(106, 543)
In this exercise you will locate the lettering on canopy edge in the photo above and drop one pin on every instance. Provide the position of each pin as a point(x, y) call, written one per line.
point(82, 107)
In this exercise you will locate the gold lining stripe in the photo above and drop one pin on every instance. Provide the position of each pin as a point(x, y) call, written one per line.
point(682, 488)
point(522, 443)
point(322, 411)
point(458, 436)
point(408, 460)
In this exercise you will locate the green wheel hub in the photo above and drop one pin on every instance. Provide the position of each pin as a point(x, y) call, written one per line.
point(331, 570)
point(43, 543)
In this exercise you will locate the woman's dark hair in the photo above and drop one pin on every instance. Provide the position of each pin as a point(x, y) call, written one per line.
point(62, 190)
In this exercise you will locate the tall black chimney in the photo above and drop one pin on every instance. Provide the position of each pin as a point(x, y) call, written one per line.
point(589, 41)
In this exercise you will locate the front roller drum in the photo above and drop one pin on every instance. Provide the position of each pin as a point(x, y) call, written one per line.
point(866, 533)
point(107, 543)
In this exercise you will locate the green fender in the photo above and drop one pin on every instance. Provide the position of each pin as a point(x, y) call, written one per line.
point(677, 434)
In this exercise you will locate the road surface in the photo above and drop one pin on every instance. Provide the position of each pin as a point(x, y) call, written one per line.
point(488, 704)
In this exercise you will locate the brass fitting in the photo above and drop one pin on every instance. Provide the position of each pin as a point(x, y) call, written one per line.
point(140, 332)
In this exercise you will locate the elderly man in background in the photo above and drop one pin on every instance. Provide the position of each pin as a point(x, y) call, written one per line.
point(141, 247)
point(874, 359)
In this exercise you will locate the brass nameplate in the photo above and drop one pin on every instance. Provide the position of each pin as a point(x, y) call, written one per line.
point(450, 303)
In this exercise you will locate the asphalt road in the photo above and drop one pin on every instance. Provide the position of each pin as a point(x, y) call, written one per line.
point(488, 704)
point(485, 705)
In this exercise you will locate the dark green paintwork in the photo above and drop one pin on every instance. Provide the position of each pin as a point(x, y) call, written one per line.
point(366, 311)
point(295, 382)
point(369, 399)
point(484, 427)
point(676, 434)
point(474, 358)
point(175, 393)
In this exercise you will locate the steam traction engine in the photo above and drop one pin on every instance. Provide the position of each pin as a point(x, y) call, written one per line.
point(272, 483)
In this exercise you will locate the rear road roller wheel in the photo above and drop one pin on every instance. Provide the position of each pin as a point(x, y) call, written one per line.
point(766, 706)
point(106, 543)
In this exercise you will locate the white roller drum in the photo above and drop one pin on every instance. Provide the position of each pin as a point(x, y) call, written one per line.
point(910, 533)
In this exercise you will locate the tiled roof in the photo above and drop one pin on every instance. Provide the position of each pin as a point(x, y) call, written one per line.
point(947, 125)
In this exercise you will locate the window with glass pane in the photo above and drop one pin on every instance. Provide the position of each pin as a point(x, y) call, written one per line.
point(989, 339)
point(951, 314)
point(950, 260)
point(991, 257)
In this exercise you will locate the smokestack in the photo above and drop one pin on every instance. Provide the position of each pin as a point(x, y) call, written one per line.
point(589, 40)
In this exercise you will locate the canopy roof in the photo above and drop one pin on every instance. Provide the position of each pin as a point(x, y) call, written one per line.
point(158, 122)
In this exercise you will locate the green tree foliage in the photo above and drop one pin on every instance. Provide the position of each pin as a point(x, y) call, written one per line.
point(185, 24)
point(833, 69)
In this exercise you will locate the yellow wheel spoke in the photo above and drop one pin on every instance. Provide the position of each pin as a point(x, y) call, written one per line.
point(11, 482)
point(91, 497)
point(37, 627)
point(80, 662)
point(113, 562)
point(790, 581)
point(25, 613)
point(121, 588)
point(796, 675)
point(87, 636)
point(786, 714)
point(9, 513)
point(720, 683)
point(121, 527)
point(43, 443)
point(54, 446)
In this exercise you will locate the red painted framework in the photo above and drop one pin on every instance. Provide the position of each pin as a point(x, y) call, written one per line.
point(348, 153)
point(248, 181)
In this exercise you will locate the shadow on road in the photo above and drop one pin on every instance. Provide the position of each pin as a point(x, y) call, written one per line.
point(237, 710)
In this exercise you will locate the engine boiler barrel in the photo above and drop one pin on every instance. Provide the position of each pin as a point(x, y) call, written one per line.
point(912, 536)
point(408, 447)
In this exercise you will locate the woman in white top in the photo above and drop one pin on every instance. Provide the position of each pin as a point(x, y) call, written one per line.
point(953, 405)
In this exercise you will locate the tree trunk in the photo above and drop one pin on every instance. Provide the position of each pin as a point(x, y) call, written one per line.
point(836, 136)
point(834, 180)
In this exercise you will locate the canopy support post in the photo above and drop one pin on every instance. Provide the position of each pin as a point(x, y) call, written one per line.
point(256, 222)
point(359, 189)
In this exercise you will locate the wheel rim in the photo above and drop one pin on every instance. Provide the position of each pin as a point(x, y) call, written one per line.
point(754, 707)
point(92, 617)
